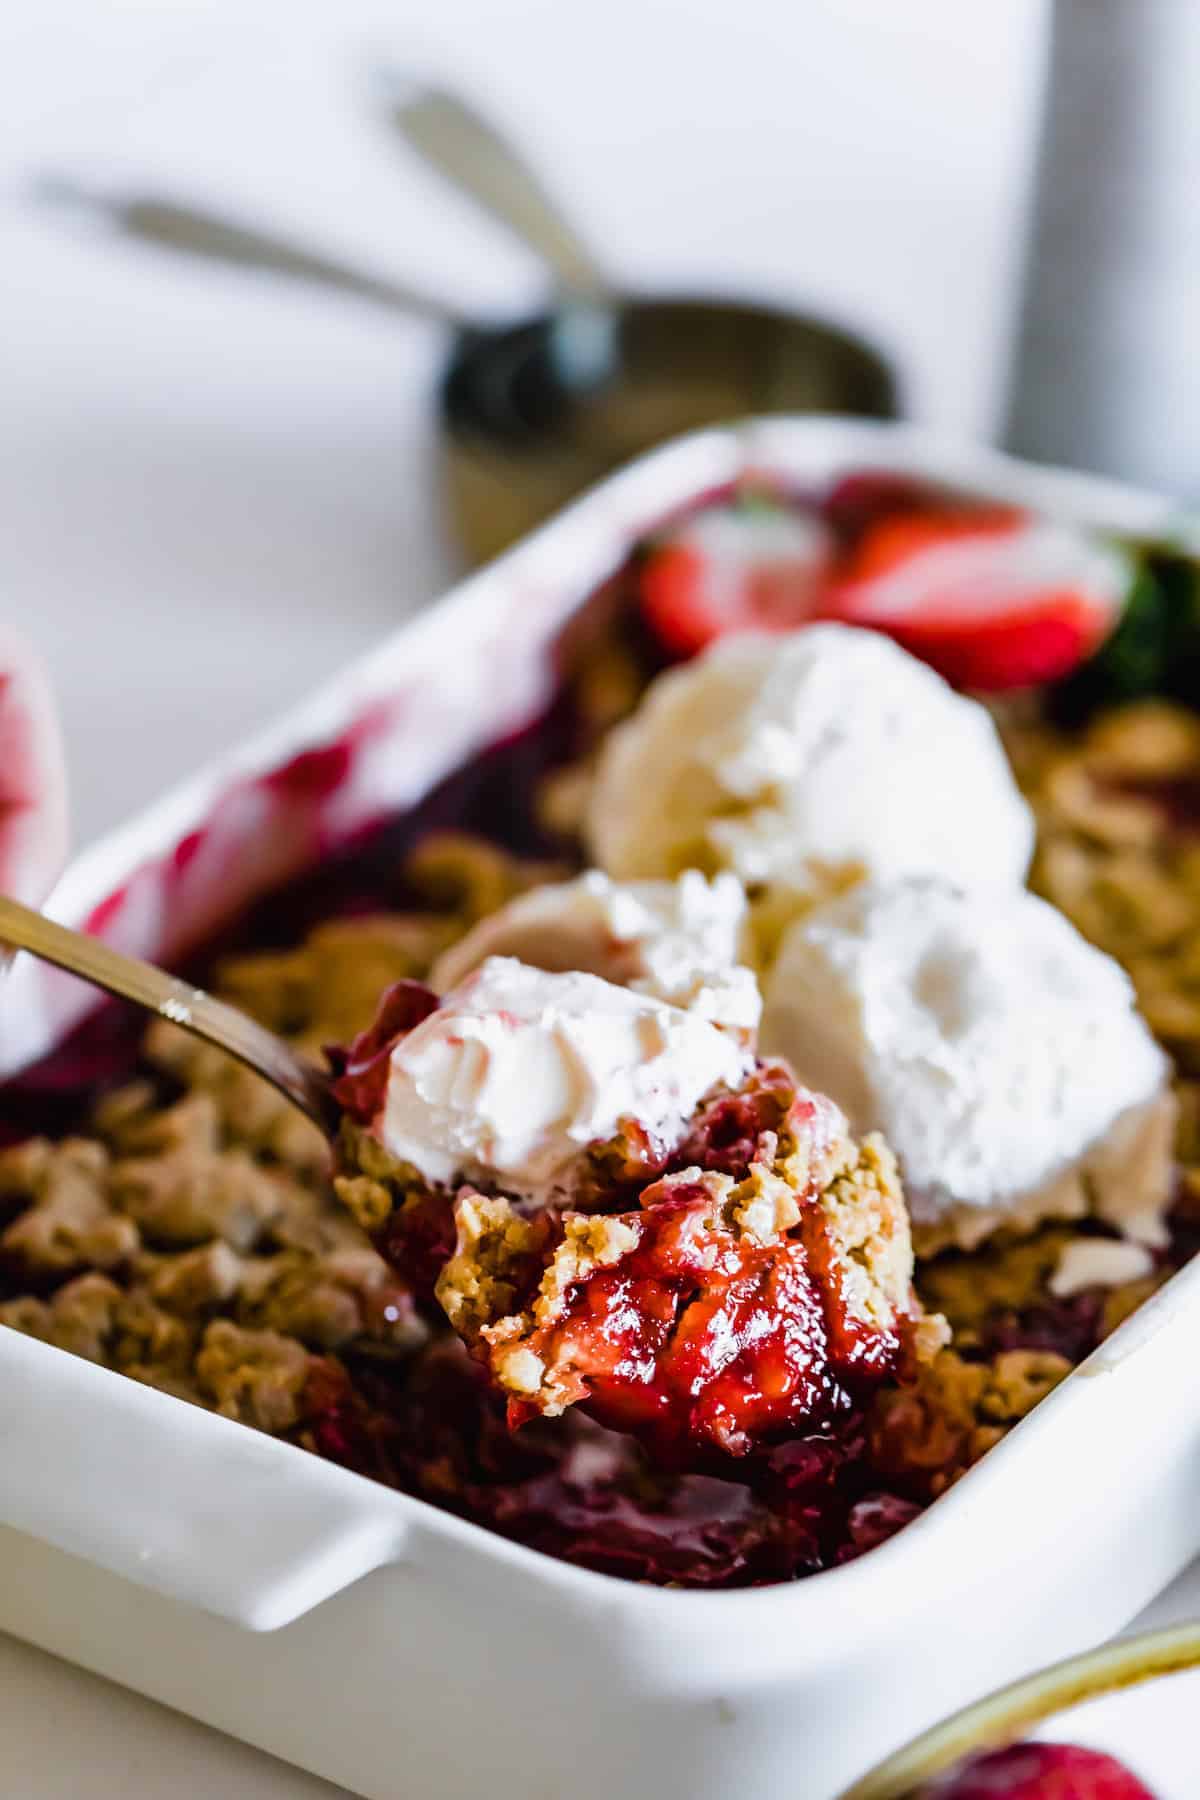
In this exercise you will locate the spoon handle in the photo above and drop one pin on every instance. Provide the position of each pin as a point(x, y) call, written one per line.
point(465, 148)
point(298, 1080)
point(152, 219)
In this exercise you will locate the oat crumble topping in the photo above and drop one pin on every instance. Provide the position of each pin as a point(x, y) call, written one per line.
point(188, 1234)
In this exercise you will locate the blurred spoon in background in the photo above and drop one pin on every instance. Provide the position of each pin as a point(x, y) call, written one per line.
point(464, 147)
point(212, 237)
point(536, 409)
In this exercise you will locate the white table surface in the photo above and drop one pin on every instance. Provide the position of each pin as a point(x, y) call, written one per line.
point(214, 490)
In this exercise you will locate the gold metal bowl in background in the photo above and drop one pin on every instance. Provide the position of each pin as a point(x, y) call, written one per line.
point(1006, 1716)
point(538, 412)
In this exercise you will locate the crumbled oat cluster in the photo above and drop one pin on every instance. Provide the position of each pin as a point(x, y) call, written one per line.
point(1118, 811)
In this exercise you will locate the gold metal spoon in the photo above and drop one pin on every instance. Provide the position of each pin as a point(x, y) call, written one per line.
point(297, 1079)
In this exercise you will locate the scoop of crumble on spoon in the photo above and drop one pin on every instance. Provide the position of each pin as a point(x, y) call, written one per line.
point(612, 1202)
point(618, 1207)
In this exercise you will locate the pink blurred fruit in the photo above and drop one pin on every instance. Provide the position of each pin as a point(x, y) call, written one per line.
point(33, 779)
point(1040, 1772)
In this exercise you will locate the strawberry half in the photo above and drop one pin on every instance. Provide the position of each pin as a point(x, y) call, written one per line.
point(1040, 1772)
point(33, 780)
point(992, 598)
point(748, 567)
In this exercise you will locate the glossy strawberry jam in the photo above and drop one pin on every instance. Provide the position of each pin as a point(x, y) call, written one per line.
point(571, 1489)
point(698, 1342)
point(706, 1313)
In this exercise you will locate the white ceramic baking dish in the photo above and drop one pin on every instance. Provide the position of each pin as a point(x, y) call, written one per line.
point(395, 1649)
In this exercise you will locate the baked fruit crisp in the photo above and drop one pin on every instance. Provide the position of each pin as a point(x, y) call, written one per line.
point(640, 1290)
point(679, 1240)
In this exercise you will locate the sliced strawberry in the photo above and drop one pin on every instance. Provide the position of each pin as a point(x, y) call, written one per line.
point(993, 598)
point(33, 782)
point(734, 568)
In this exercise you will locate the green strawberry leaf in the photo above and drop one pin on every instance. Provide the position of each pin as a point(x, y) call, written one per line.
point(1129, 664)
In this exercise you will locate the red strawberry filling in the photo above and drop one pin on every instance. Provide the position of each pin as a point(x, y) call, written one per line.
point(760, 1287)
point(360, 1069)
point(699, 1340)
point(756, 1282)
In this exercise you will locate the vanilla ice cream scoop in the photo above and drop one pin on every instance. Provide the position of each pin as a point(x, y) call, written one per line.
point(999, 1053)
point(678, 941)
point(518, 1071)
point(803, 759)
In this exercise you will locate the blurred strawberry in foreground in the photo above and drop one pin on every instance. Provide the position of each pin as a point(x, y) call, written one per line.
point(749, 566)
point(33, 780)
point(991, 599)
point(1040, 1772)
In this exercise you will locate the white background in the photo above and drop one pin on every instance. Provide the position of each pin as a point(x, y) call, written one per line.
point(213, 489)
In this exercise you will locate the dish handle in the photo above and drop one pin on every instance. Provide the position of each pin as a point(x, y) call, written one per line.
point(193, 1506)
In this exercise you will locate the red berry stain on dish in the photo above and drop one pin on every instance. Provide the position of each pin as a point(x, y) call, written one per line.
point(1040, 1772)
point(313, 774)
point(103, 916)
point(361, 1069)
point(186, 851)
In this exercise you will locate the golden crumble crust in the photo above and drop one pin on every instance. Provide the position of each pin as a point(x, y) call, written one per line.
point(478, 1286)
point(222, 1281)
point(328, 988)
point(256, 1377)
point(466, 878)
point(68, 1221)
point(926, 1434)
point(193, 1242)
point(867, 1223)
point(1110, 856)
